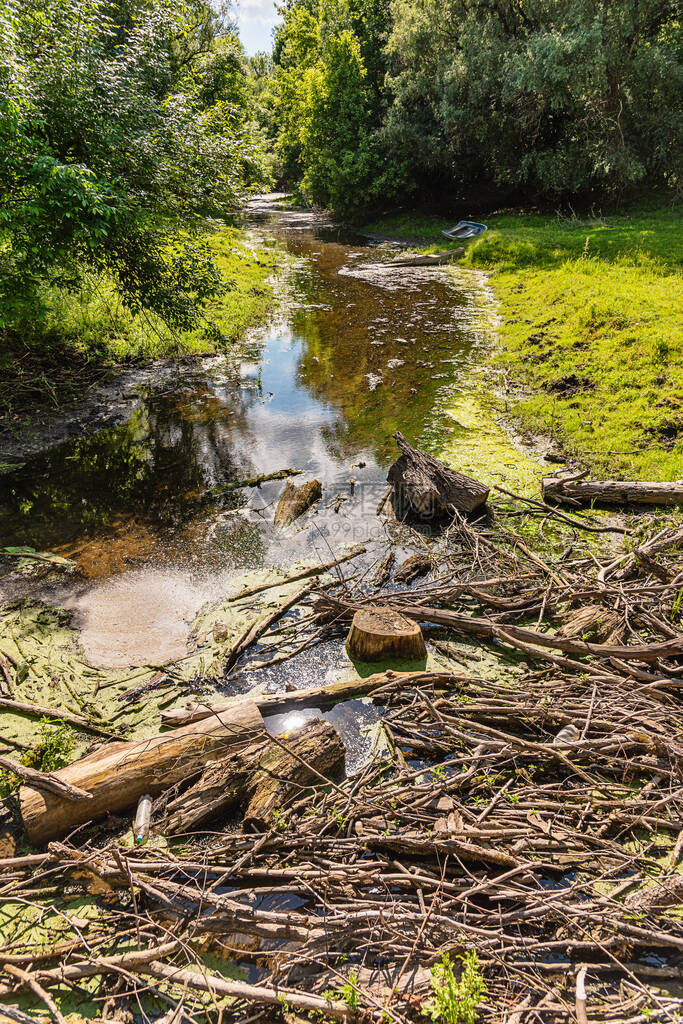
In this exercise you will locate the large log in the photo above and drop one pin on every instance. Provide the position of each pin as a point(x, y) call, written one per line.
point(427, 487)
point(315, 697)
point(261, 776)
point(612, 492)
point(117, 774)
point(378, 633)
point(295, 500)
point(427, 259)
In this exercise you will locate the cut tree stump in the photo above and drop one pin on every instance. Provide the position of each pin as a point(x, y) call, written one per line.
point(116, 775)
point(378, 633)
point(295, 500)
point(427, 487)
point(612, 492)
point(260, 777)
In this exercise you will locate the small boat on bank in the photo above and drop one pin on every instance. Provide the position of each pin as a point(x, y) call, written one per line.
point(465, 229)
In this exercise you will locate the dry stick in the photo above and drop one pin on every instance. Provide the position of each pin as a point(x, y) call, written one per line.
point(45, 780)
point(6, 676)
point(25, 708)
point(101, 965)
point(255, 631)
point(581, 1017)
point(559, 514)
point(316, 570)
point(252, 993)
point(35, 987)
point(53, 559)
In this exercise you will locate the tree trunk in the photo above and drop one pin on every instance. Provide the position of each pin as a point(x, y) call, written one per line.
point(612, 492)
point(378, 633)
point(427, 487)
point(119, 773)
point(294, 501)
point(262, 776)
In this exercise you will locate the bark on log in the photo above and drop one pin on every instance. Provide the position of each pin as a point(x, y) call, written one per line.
point(119, 773)
point(427, 487)
point(44, 780)
point(295, 500)
point(412, 568)
point(261, 776)
point(315, 697)
point(593, 622)
point(378, 633)
point(612, 492)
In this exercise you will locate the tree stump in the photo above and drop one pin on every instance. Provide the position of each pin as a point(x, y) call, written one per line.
point(378, 633)
point(428, 488)
point(295, 500)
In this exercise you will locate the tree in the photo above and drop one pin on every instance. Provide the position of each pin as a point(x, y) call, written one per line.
point(121, 129)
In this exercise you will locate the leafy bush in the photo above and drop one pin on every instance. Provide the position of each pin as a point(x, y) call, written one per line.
point(123, 125)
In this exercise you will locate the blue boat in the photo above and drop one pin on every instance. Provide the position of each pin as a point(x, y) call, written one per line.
point(465, 229)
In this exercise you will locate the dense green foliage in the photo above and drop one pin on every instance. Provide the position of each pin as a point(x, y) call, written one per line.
point(381, 100)
point(124, 125)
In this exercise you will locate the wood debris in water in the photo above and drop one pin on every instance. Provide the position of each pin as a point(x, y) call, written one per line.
point(533, 818)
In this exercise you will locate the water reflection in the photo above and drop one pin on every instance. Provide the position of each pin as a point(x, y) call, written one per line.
point(353, 361)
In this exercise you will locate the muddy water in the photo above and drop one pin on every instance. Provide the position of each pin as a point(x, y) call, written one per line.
point(147, 508)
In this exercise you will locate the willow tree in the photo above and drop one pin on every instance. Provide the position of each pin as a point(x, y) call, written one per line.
point(120, 133)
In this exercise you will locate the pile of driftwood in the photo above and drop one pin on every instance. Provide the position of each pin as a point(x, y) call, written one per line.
point(533, 815)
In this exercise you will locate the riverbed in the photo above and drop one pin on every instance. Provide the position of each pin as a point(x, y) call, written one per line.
point(147, 507)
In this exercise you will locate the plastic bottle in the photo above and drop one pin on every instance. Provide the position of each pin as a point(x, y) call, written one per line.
point(142, 819)
point(570, 734)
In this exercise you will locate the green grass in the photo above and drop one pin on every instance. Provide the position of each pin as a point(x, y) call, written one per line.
point(591, 331)
point(82, 336)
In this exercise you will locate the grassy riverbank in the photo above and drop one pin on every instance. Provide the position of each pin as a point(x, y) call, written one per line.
point(82, 336)
point(591, 330)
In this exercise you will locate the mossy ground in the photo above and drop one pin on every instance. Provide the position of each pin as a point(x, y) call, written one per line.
point(82, 336)
point(592, 328)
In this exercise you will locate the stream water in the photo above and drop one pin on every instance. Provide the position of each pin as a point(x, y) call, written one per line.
point(146, 507)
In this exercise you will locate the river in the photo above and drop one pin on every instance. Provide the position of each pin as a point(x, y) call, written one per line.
point(146, 507)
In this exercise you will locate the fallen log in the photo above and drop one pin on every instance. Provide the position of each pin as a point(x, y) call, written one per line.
point(117, 774)
point(485, 629)
point(426, 259)
point(256, 481)
point(315, 697)
point(378, 633)
point(612, 492)
point(295, 500)
point(427, 487)
point(261, 776)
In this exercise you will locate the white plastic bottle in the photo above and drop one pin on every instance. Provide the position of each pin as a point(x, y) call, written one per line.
point(142, 819)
